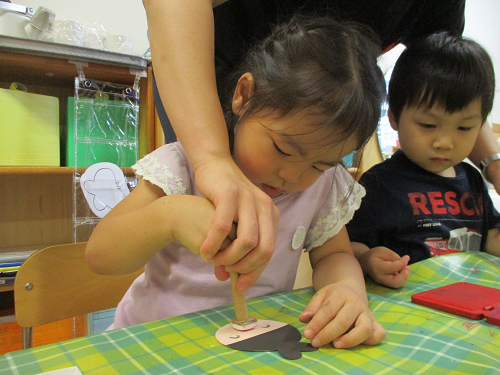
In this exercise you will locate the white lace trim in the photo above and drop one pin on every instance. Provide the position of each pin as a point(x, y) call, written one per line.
point(341, 213)
point(159, 174)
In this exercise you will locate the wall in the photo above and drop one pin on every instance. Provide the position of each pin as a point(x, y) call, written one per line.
point(122, 17)
point(481, 24)
point(129, 18)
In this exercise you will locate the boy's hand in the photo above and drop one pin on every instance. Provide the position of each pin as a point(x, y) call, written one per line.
point(385, 266)
point(333, 311)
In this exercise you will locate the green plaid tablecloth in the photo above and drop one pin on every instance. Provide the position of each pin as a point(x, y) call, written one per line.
point(419, 340)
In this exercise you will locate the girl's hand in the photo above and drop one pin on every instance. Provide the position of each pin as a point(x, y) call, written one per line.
point(385, 266)
point(239, 201)
point(338, 313)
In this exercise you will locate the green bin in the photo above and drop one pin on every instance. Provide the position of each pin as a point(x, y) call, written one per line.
point(107, 132)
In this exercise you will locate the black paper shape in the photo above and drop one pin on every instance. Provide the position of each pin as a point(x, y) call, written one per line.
point(284, 340)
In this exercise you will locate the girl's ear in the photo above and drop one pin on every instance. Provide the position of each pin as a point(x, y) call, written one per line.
point(392, 120)
point(242, 93)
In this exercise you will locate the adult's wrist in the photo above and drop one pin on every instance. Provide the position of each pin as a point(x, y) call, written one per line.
point(490, 167)
point(210, 158)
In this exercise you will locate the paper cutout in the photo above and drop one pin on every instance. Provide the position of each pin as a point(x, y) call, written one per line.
point(65, 371)
point(104, 186)
point(268, 336)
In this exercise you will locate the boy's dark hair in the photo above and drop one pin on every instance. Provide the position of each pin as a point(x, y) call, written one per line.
point(318, 63)
point(442, 69)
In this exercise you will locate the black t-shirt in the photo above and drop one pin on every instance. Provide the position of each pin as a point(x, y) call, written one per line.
point(418, 213)
point(240, 23)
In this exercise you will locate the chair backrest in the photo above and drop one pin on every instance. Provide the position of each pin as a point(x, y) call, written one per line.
point(371, 155)
point(56, 283)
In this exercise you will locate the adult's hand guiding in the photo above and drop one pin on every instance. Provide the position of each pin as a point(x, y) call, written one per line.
point(238, 201)
point(181, 35)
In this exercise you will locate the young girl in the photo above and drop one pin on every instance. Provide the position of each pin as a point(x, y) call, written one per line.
point(305, 97)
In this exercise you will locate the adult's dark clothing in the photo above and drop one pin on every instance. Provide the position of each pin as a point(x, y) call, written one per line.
point(241, 23)
point(421, 214)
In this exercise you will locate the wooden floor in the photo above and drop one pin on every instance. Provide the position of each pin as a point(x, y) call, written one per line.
point(11, 332)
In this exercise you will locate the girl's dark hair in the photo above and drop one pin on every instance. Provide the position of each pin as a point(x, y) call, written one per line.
point(444, 69)
point(318, 63)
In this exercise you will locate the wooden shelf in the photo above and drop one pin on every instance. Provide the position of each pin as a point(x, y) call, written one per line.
point(6, 288)
point(35, 170)
point(37, 203)
point(7, 303)
point(47, 170)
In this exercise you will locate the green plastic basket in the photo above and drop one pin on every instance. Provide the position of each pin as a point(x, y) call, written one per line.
point(107, 131)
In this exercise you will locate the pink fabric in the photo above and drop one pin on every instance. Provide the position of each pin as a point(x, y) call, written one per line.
point(177, 282)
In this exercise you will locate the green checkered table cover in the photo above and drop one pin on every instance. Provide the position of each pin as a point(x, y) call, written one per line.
point(419, 340)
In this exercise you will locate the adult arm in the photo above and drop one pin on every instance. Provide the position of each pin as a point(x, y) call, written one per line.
point(181, 34)
point(487, 145)
point(493, 242)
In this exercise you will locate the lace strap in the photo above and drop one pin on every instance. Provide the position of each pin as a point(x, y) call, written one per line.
point(150, 169)
point(343, 205)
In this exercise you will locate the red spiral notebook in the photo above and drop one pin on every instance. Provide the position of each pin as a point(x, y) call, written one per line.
point(463, 299)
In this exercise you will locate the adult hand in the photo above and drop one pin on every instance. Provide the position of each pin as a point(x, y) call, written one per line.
point(239, 201)
point(385, 266)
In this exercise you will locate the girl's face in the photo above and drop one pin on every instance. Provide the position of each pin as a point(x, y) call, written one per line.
point(435, 139)
point(281, 155)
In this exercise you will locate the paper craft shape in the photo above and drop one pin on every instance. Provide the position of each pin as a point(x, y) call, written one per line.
point(104, 185)
point(64, 371)
point(268, 336)
point(463, 299)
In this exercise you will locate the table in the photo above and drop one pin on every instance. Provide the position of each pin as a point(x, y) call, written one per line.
point(419, 340)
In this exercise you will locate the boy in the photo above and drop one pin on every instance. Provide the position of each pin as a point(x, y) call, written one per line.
point(425, 201)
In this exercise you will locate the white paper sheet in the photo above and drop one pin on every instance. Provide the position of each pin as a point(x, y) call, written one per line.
point(64, 371)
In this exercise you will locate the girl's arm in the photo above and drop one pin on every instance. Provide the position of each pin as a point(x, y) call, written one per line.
point(181, 34)
point(341, 302)
point(142, 224)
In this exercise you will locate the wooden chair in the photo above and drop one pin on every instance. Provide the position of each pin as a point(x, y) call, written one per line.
point(55, 283)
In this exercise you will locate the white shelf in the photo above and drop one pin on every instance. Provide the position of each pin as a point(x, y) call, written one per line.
point(82, 54)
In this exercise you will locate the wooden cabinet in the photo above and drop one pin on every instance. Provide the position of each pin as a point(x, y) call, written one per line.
point(36, 203)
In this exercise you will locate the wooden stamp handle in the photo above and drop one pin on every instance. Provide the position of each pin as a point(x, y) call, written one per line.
point(240, 302)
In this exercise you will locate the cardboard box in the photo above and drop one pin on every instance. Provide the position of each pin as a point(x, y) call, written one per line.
point(29, 129)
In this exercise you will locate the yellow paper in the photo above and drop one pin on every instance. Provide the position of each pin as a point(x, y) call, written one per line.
point(29, 129)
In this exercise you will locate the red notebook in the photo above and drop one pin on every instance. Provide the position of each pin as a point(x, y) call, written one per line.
point(463, 299)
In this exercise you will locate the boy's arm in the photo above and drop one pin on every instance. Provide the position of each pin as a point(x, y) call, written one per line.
point(142, 224)
point(341, 301)
point(493, 242)
point(382, 264)
point(359, 249)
